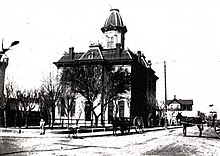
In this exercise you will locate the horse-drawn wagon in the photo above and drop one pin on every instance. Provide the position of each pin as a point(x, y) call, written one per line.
point(199, 121)
point(124, 124)
point(214, 123)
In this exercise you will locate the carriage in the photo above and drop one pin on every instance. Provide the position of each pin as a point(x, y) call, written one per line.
point(213, 122)
point(124, 124)
point(199, 121)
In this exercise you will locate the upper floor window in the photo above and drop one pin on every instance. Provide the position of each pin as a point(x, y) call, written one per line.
point(90, 55)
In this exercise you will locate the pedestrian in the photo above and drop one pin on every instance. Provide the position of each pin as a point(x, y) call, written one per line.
point(42, 127)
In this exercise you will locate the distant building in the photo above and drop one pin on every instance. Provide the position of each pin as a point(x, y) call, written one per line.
point(141, 98)
point(179, 104)
point(15, 114)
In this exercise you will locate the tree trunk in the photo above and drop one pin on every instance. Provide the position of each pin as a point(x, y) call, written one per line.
point(77, 120)
point(51, 120)
point(15, 121)
point(52, 114)
point(22, 119)
point(5, 117)
point(26, 120)
point(103, 117)
point(48, 117)
point(96, 120)
point(102, 114)
point(68, 117)
point(19, 119)
point(1, 117)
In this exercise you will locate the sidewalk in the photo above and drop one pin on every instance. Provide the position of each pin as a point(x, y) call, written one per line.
point(64, 133)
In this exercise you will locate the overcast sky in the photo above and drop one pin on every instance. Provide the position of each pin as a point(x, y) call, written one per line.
point(185, 33)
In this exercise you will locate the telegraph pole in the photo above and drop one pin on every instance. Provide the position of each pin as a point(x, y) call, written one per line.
point(165, 87)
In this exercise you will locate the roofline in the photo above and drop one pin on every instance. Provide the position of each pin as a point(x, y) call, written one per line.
point(93, 61)
point(178, 101)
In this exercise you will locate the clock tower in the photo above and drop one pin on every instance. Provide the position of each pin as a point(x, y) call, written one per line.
point(113, 30)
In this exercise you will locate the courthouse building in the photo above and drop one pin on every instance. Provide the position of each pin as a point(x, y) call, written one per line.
point(140, 100)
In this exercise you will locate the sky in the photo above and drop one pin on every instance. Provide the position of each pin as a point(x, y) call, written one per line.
point(184, 33)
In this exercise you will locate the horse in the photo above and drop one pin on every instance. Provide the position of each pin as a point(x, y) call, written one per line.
point(189, 122)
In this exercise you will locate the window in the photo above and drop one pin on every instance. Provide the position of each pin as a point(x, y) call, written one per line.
point(183, 107)
point(110, 111)
point(189, 108)
point(73, 109)
point(121, 108)
point(90, 55)
point(88, 111)
point(110, 43)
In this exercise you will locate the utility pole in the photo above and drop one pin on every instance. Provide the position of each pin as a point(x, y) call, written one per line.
point(165, 87)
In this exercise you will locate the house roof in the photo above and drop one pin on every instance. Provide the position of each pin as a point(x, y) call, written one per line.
point(93, 53)
point(112, 54)
point(66, 57)
point(96, 54)
point(180, 101)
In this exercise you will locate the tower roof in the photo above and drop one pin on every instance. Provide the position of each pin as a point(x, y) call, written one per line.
point(113, 21)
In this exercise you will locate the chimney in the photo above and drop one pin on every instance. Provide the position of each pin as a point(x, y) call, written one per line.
point(139, 56)
point(174, 96)
point(71, 52)
point(118, 48)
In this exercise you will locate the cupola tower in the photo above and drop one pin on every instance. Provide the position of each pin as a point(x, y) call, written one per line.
point(114, 30)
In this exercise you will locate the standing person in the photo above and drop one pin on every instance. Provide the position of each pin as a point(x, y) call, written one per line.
point(42, 126)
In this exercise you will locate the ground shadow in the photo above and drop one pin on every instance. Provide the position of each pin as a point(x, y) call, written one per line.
point(56, 149)
point(203, 136)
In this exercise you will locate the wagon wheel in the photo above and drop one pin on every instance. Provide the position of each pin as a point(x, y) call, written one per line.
point(217, 129)
point(138, 124)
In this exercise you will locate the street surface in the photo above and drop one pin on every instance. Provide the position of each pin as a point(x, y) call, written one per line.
point(163, 142)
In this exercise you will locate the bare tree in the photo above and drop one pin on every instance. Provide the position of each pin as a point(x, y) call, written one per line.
point(27, 102)
point(85, 80)
point(68, 101)
point(50, 92)
point(116, 81)
point(160, 109)
point(93, 80)
point(10, 92)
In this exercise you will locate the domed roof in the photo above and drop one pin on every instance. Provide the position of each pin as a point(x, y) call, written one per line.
point(114, 19)
point(114, 22)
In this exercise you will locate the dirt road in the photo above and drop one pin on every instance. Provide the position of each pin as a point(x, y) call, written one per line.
point(164, 142)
